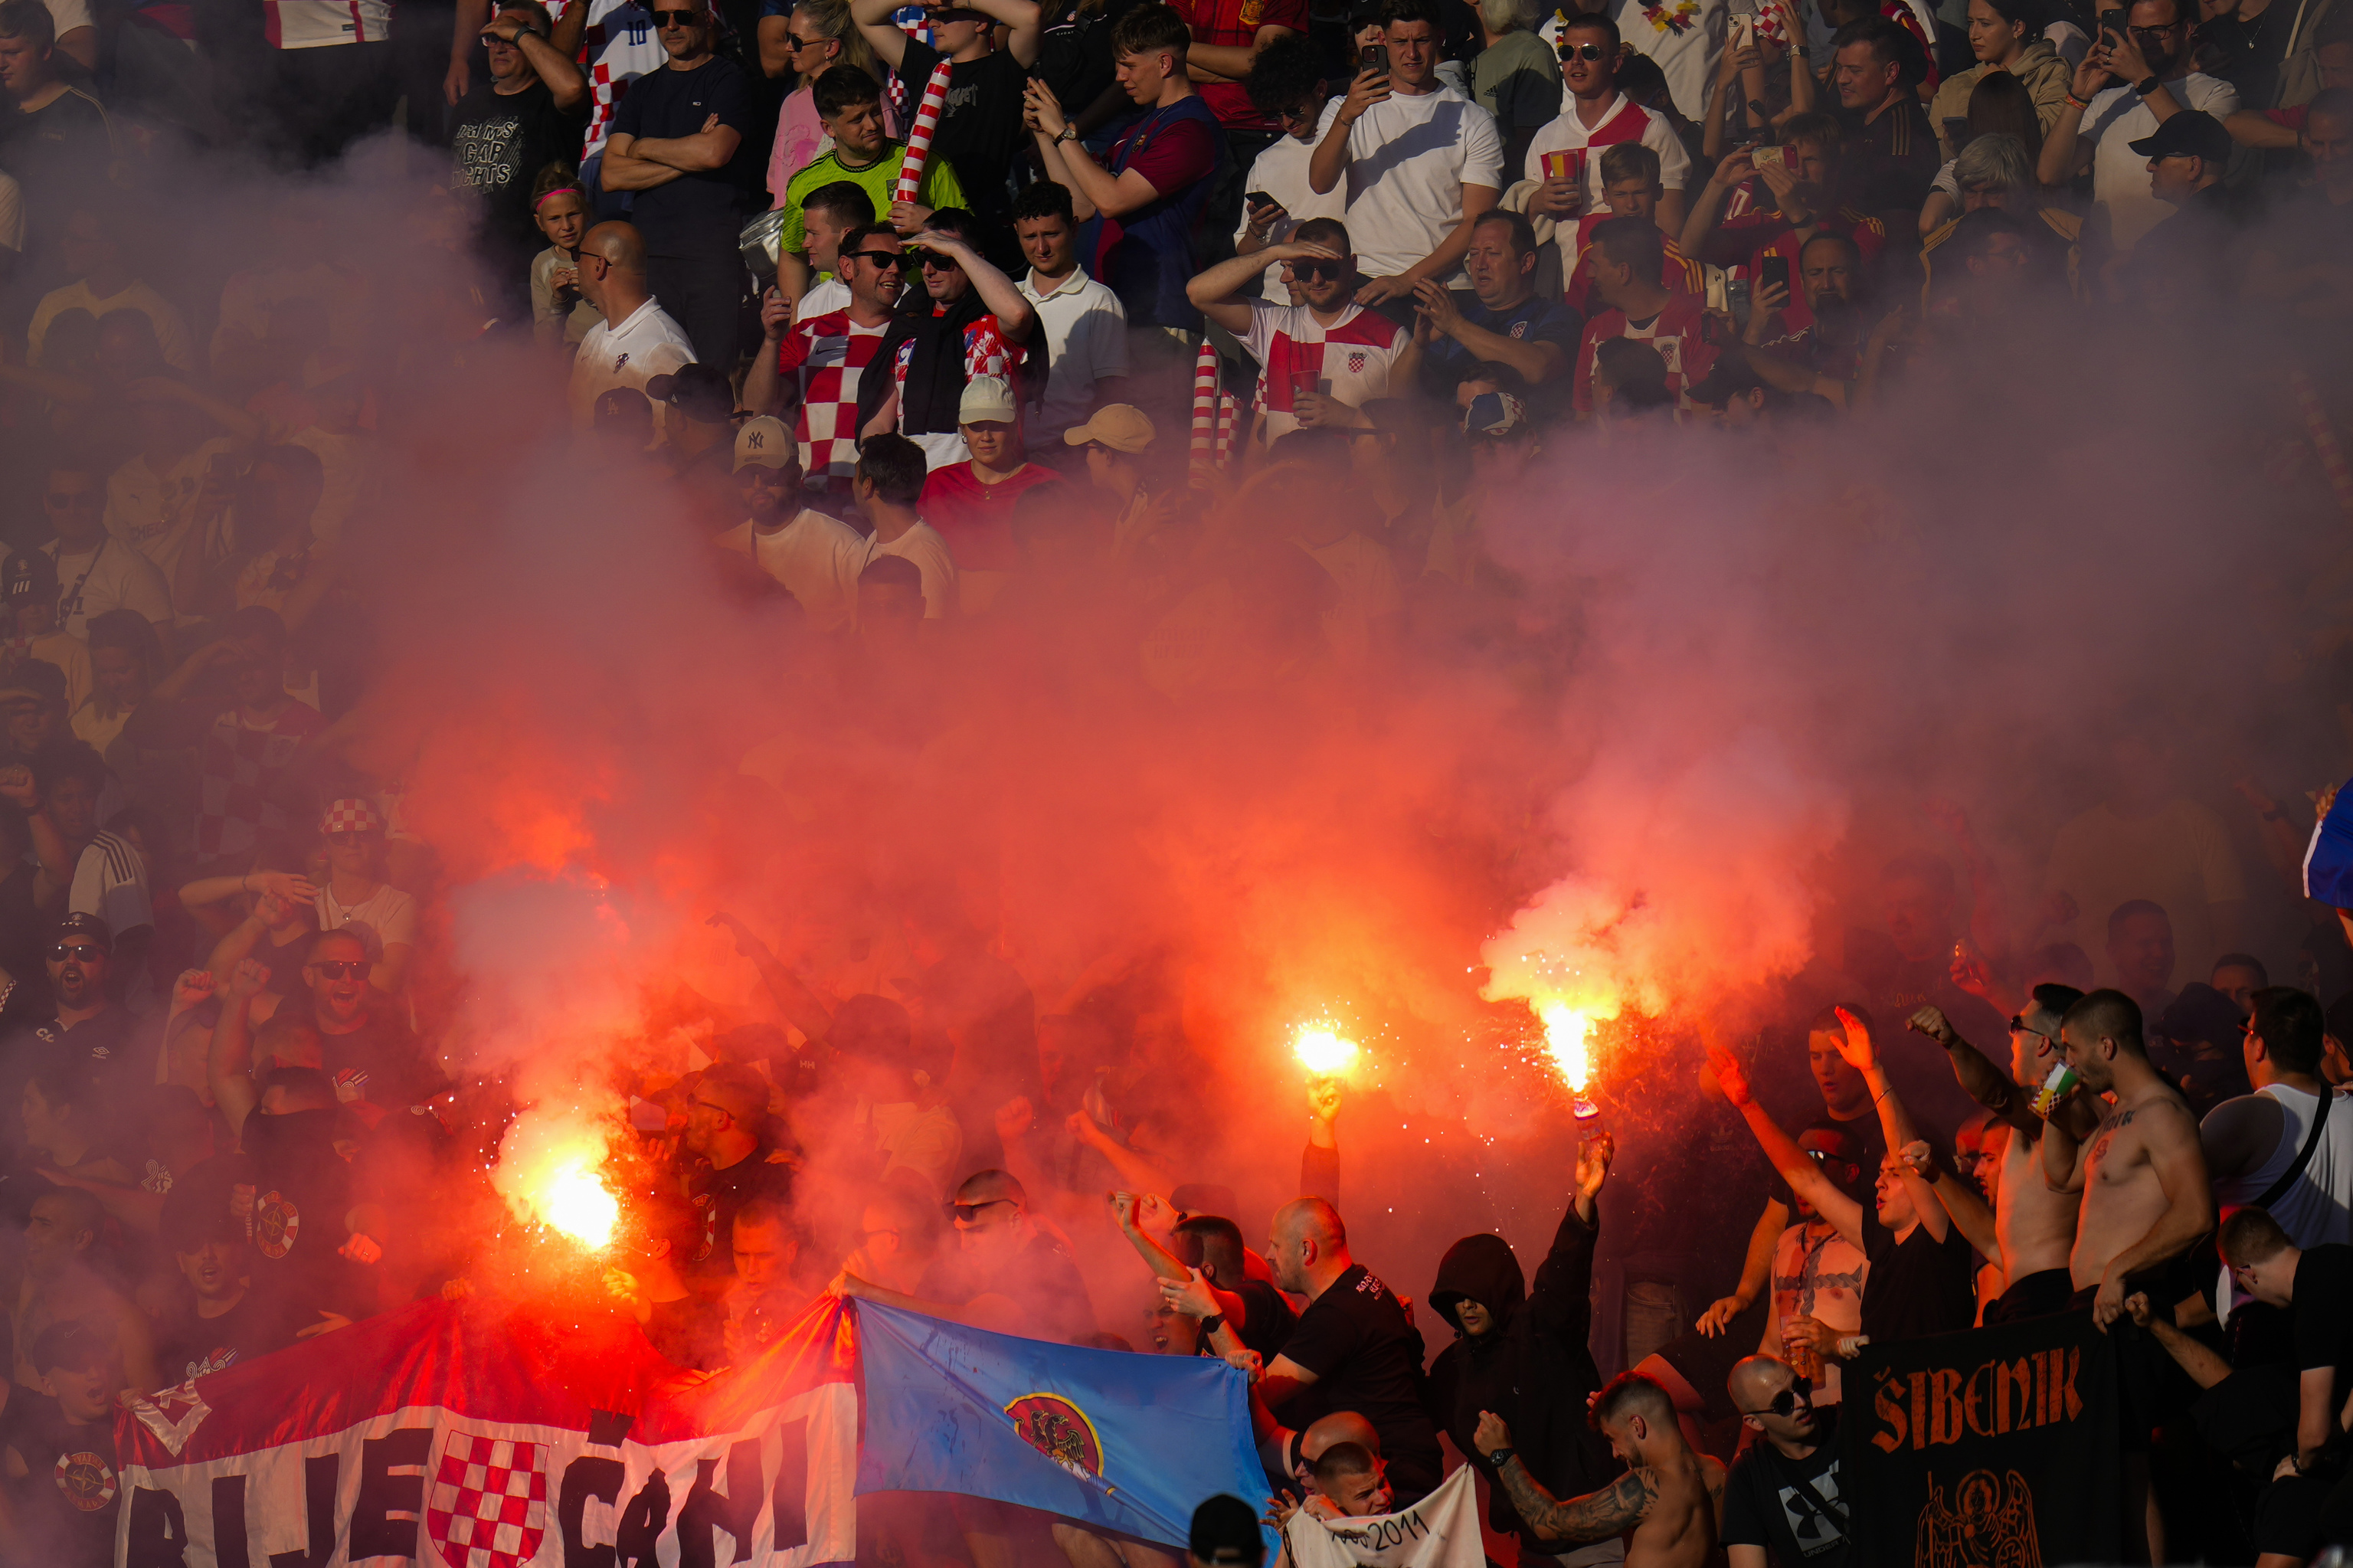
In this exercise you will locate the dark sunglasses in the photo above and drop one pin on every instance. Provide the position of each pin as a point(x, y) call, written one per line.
point(68, 952)
point(1586, 52)
point(967, 1212)
point(797, 45)
point(1783, 1403)
point(676, 18)
point(896, 258)
point(1319, 269)
point(2018, 1026)
point(939, 258)
point(342, 968)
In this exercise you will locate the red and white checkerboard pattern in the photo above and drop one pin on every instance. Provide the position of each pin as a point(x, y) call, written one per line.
point(828, 353)
point(488, 1508)
point(350, 815)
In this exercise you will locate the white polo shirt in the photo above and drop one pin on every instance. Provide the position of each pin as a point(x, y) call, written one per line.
point(1086, 339)
point(1408, 159)
point(629, 352)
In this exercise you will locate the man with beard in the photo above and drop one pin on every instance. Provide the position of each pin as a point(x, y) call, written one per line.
point(815, 558)
point(1005, 1273)
point(84, 1029)
point(1526, 1358)
point(1782, 1497)
point(2034, 1226)
point(967, 320)
point(343, 1025)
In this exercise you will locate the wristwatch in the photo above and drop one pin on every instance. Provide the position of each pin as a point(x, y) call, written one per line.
point(1212, 1323)
point(2147, 85)
point(1070, 133)
point(1497, 1457)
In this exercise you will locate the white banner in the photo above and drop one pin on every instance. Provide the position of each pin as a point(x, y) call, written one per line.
point(1442, 1531)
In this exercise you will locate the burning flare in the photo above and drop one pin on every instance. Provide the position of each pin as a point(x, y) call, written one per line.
point(1322, 1050)
point(1566, 1030)
point(549, 1172)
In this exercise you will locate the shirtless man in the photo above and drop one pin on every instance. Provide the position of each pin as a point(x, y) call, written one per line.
point(1668, 1506)
point(2034, 1224)
point(60, 1285)
point(2142, 1177)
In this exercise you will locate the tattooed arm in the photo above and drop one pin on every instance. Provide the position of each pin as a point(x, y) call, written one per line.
point(1597, 1515)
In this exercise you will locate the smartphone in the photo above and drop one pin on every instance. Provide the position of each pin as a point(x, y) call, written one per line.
point(1774, 269)
point(1765, 157)
point(1373, 57)
point(1260, 198)
point(1744, 32)
point(1736, 299)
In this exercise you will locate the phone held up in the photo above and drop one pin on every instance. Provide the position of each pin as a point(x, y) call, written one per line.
point(1374, 58)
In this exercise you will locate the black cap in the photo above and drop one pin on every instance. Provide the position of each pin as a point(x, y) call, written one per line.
point(1225, 1529)
point(89, 925)
point(2189, 134)
point(31, 575)
point(698, 391)
point(35, 678)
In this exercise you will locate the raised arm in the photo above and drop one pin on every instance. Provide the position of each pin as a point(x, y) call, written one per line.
point(1894, 1121)
point(1329, 162)
point(1216, 292)
point(1796, 1167)
point(1094, 190)
point(1700, 222)
point(1979, 1078)
point(1560, 1301)
point(54, 860)
point(2064, 152)
point(881, 34)
point(1027, 21)
point(1134, 1168)
point(1951, 1197)
point(1015, 318)
point(1319, 1163)
point(801, 1005)
point(1597, 1515)
point(242, 938)
point(228, 1071)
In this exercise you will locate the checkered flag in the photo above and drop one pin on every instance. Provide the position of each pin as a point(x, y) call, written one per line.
point(488, 1508)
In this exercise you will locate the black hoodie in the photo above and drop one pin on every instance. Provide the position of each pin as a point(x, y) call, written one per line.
point(1533, 1369)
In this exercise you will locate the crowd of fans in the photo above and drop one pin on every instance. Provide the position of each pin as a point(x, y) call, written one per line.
point(1428, 248)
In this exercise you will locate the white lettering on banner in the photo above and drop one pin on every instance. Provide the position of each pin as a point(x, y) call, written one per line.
point(1442, 1531)
point(445, 1490)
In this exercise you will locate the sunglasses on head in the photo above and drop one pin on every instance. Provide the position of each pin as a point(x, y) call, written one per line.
point(1319, 271)
point(678, 18)
point(342, 968)
point(1586, 52)
point(1783, 1403)
point(70, 952)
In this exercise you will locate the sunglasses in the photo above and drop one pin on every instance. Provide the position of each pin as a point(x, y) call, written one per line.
point(1586, 52)
point(894, 258)
point(342, 968)
point(938, 259)
point(1320, 271)
point(678, 18)
point(1783, 1403)
point(76, 952)
point(967, 1212)
point(797, 45)
point(2018, 1026)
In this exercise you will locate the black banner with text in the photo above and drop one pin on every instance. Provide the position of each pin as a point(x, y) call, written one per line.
point(1995, 1448)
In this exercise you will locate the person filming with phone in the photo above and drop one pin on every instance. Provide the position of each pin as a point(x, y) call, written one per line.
point(2137, 75)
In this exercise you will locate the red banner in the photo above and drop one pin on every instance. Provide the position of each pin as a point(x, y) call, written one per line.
point(490, 1434)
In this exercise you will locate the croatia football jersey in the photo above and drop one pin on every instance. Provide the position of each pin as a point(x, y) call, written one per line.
point(1348, 360)
point(1684, 277)
point(828, 353)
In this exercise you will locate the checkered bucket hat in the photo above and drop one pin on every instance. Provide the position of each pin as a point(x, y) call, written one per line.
point(352, 815)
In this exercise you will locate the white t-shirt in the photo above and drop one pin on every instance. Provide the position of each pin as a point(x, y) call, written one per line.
point(154, 513)
point(923, 545)
point(629, 352)
point(1687, 57)
point(315, 24)
point(64, 15)
point(2118, 117)
point(1624, 121)
point(1086, 339)
point(112, 576)
point(825, 296)
point(109, 882)
point(388, 914)
point(817, 557)
point(1408, 159)
point(1350, 358)
point(349, 463)
point(1282, 172)
point(172, 333)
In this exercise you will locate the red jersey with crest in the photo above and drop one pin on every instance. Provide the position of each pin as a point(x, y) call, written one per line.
point(1683, 276)
point(1740, 246)
point(1675, 331)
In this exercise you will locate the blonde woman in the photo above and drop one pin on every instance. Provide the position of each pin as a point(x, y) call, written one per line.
point(819, 34)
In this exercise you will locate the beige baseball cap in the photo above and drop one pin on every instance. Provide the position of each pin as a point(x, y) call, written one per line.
point(986, 400)
point(1121, 427)
point(764, 441)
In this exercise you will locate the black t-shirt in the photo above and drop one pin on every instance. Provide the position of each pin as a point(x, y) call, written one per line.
point(717, 1194)
point(980, 127)
point(190, 1346)
point(499, 142)
point(1866, 1140)
point(2323, 1314)
point(58, 152)
point(1366, 1358)
point(1535, 319)
point(1271, 1320)
point(1919, 1286)
point(301, 1197)
point(696, 215)
point(379, 1061)
point(1074, 55)
point(102, 1045)
point(1765, 1503)
point(68, 1500)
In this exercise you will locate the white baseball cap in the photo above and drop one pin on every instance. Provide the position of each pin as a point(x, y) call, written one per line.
point(765, 440)
point(987, 399)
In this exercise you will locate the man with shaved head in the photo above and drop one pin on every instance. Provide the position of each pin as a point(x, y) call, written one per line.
point(1782, 1499)
point(1668, 1505)
point(1006, 1272)
point(1354, 1349)
point(637, 340)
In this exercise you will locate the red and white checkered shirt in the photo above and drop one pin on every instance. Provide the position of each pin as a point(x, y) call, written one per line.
point(985, 352)
point(828, 353)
